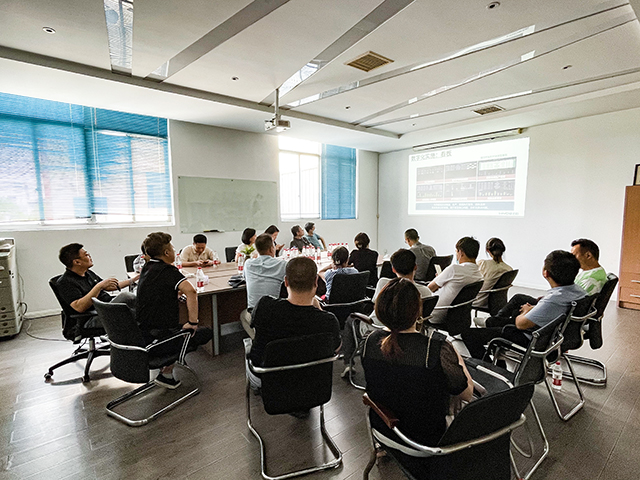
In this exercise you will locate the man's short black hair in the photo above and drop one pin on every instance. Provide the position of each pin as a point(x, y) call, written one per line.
point(155, 243)
point(294, 230)
point(308, 226)
point(562, 267)
point(301, 274)
point(587, 245)
point(403, 261)
point(264, 242)
point(411, 234)
point(469, 246)
point(200, 238)
point(271, 229)
point(69, 253)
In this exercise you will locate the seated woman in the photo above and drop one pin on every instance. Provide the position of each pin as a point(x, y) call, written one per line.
point(248, 240)
point(412, 374)
point(363, 259)
point(491, 269)
point(340, 257)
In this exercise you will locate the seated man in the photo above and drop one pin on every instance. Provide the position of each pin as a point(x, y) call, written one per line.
point(79, 285)
point(314, 239)
point(449, 283)
point(299, 314)
point(299, 240)
point(423, 253)
point(198, 254)
point(264, 276)
point(403, 263)
point(559, 270)
point(157, 308)
point(592, 276)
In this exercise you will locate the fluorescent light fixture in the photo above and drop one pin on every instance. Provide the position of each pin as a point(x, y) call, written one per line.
point(119, 17)
point(466, 140)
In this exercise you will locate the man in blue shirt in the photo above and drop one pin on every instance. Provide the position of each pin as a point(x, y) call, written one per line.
point(313, 237)
point(560, 270)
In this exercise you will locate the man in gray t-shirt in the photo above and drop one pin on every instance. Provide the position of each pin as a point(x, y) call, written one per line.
point(423, 253)
point(560, 270)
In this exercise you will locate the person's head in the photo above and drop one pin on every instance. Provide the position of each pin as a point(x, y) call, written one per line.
point(273, 231)
point(301, 275)
point(469, 247)
point(249, 236)
point(587, 253)
point(296, 231)
point(74, 255)
point(403, 262)
point(495, 247)
point(561, 266)
point(199, 243)
point(398, 307)
point(340, 256)
point(411, 236)
point(310, 227)
point(265, 245)
point(362, 241)
point(158, 246)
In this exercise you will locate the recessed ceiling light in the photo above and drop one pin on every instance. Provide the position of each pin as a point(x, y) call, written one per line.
point(567, 67)
point(235, 78)
point(493, 5)
point(413, 124)
point(49, 30)
point(347, 107)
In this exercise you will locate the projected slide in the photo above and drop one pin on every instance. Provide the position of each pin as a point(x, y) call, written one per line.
point(487, 179)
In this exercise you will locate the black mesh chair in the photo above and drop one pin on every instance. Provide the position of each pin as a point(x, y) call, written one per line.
point(497, 295)
point(442, 262)
point(458, 317)
point(592, 331)
point(230, 253)
point(346, 288)
point(73, 329)
point(132, 360)
point(474, 447)
point(531, 364)
point(386, 271)
point(297, 375)
point(128, 262)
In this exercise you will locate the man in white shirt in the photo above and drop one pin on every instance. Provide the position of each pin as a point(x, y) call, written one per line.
point(449, 283)
point(264, 276)
point(198, 254)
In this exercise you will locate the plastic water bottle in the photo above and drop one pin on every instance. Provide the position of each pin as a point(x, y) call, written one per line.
point(178, 262)
point(216, 259)
point(329, 250)
point(240, 263)
point(138, 263)
point(200, 280)
point(318, 254)
point(556, 375)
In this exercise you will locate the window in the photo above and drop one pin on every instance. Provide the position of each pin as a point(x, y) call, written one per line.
point(65, 164)
point(316, 181)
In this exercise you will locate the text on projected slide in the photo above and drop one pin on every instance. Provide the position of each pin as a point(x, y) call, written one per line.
point(487, 179)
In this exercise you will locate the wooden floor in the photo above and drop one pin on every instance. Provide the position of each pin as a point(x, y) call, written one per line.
point(60, 430)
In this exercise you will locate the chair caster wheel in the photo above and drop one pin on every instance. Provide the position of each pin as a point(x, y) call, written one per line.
point(47, 376)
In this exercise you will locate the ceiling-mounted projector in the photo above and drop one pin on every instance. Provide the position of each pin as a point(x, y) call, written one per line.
point(279, 124)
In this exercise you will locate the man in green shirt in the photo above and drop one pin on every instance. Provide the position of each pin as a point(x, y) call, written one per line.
point(592, 276)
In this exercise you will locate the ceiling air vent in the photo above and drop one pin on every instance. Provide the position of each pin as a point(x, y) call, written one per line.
point(489, 109)
point(369, 61)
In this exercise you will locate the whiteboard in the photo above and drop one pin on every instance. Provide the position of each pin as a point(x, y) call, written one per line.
point(225, 205)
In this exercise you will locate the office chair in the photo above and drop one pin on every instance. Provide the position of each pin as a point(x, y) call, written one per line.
point(230, 253)
point(458, 317)
point(348, 295)
point(73, 329)
point(128, 262)
point(386, 271)
point(474, 447)
point(497, 294)
point(442, 262)
point(297, 375)
point(131, 359)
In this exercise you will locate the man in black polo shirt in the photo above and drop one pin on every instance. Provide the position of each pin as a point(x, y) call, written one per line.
point(78, 285)
point(157, 308)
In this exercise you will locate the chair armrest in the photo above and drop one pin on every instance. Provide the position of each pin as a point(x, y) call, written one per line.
point(296, 366)
point(494, 374)
point(387, 416)
point(186, 333)
point(493, 290)
point(448, 307)
point(363, 318)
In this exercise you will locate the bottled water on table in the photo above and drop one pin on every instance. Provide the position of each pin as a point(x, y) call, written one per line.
point(178, 262)
point(200, 278)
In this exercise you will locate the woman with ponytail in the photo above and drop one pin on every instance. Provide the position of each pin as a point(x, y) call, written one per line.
point(412, 374)
point(491, 269)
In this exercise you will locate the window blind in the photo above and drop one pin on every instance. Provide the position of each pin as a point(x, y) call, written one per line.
point(338, 182)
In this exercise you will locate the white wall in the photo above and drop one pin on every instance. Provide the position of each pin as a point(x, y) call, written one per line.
point(196, 150)
point(578, 170)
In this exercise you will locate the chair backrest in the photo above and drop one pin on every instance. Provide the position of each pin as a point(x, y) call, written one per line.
point(128, 261)
point(532, 367)
point(70, 318)
point(230, 253)
point(299, 389)
point(605, 295)
point(497, 300)
point(127, 365)
point(349, 287)
point(428, 304)
point(443, 262)
point(386, 271)
point(572, 330)
point(343, 310)
point(458, 319)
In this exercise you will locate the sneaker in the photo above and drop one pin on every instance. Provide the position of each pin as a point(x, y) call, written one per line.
point(480, 321)
point(166, 382)
point(347, 369)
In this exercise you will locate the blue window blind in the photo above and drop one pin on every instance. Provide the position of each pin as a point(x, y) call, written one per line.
point(68, 164)
point(338, 182)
